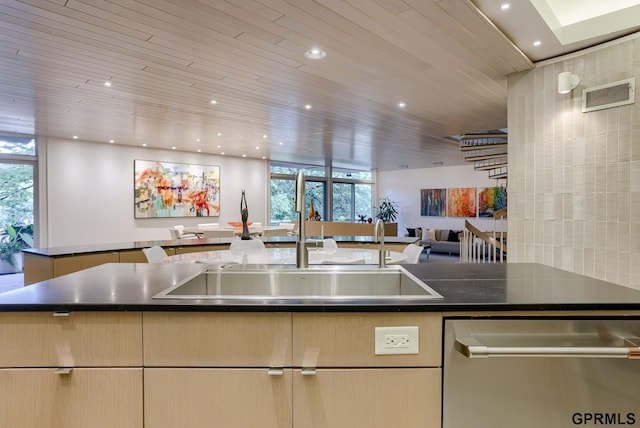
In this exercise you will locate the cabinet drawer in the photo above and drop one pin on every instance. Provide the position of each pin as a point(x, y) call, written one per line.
point(183, 339)
point(348, 339)
point(367, 398)
point(96, 398)
point(77, 339)
point(199, 398)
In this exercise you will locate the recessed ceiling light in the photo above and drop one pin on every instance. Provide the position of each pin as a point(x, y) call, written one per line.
point(214, 102)
point(257, 147)
point(75, 137)
point(199, 151)
point(197, 140)
point(264, 157)
point(505, 6)
point(264, 135)
point(222, 153)
point(537, 43)
point(107, 84)
point(315, 53)
point(402, 104)
point(112, 141)
point(219, 134)
point(308, 107)
point(280, 143)
point(219, 146)
point(173, 148)
point(144, 144)
point(244, 156)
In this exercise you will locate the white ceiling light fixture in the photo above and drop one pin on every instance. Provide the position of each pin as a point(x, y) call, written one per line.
point(505, 6)
point(107, 84)
point(402, 104)
point(315, 53)
point(567, 82)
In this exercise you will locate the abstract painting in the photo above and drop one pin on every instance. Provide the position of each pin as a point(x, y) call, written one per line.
point(490, 200)
point(163, 189)
point(433, 202)
point(461, 202)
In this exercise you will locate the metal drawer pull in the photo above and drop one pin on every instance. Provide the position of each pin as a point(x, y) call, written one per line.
point(61, 314)
point(63, 371)
point(275, 372)
point(308, 371)
point(472, 348)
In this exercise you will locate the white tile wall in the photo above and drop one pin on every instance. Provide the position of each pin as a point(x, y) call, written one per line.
point(574, 185)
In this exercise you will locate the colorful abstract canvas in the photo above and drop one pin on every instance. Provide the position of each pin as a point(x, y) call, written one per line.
point(433, 202)
point(165, 189)
point(490, 200)
point(461, 202)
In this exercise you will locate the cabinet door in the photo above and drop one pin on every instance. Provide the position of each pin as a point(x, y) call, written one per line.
point(199, 398)
point(69, 264)
point(317, 343)
point(191, 339)
point(96, 398)
point(89, 339)
point(367, 398)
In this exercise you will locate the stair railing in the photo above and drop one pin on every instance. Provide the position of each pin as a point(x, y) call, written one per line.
point(482, 247)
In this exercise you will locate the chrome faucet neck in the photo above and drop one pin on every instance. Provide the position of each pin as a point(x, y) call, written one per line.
point(378, 233)
point(302, 257)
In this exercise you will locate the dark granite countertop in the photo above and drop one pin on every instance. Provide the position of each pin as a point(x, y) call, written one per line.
point(465, 287)
point(137, 245)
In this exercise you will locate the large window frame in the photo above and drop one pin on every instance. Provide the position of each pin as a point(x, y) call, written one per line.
point(320, 181)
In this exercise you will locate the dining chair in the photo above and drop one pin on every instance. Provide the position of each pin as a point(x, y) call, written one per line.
point(208, 225)
point(174, 233)
point(412, 252)
point(155, 254)
point(329, 245)
point(245, 246)
point(274, 231)
point(181, 232)
point(217, 233)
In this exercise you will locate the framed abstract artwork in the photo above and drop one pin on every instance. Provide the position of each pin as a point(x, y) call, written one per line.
point(433, 202)
point(163, 189)
point(461, 202)
point(490, 200)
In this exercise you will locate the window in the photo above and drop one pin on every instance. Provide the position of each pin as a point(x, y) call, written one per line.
point(17, 195)
point(337, 194)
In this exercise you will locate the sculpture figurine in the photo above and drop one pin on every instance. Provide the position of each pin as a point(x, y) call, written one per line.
point(244, 212)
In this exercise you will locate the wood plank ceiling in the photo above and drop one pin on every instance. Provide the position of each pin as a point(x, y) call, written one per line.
point(168, 59)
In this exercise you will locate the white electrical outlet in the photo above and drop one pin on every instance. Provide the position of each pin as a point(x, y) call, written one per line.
point(396, 340)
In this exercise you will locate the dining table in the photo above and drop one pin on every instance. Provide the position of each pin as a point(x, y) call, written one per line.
point(280, 256)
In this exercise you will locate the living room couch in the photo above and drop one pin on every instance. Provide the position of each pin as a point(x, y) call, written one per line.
point(441, 240)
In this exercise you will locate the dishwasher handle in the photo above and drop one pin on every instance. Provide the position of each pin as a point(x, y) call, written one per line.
point(472, 348)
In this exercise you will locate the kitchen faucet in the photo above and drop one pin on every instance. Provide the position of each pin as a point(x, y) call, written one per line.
point(380, 225)
point(302, 257)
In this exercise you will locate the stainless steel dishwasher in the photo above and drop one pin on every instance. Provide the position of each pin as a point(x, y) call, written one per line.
point(542, 373)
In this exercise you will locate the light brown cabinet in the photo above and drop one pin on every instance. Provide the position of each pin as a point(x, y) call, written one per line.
point(290, 370)
point(75, 369)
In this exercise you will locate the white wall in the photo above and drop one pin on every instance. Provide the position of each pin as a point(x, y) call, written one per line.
point(574, 183)
point(404, 187)
point(90, 192)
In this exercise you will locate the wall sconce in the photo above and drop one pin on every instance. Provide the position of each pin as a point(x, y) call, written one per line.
point(567, 82)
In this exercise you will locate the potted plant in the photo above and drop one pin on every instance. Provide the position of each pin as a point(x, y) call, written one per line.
point(387, 210)
point(14, 240)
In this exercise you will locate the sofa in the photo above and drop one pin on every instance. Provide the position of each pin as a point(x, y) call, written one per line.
point(441, 240)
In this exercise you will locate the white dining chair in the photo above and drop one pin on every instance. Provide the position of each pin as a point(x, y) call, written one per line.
point(155, 254)
point(274, 231)
point(208, 225)
point(181, 232)
point(246, 246)
point(174, 233)
point(217, 233)
point(412, 252)
point(329, 245)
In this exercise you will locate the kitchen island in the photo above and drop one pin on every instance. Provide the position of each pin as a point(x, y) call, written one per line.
point(94, 348)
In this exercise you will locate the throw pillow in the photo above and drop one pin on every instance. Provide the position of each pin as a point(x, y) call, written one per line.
point(418, 232)
point(411, 232)
point(453, 236)
point(428, 234)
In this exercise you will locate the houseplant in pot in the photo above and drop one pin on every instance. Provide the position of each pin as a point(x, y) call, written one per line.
point(387, 210)
point(12, 242)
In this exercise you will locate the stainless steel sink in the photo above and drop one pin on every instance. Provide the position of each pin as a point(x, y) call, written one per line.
point(353, 285)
